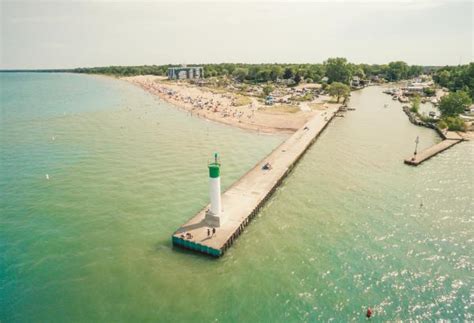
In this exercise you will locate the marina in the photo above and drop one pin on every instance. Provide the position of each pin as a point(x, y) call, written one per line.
point(243, 200)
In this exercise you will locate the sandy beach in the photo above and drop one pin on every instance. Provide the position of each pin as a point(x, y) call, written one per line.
point(221, 106)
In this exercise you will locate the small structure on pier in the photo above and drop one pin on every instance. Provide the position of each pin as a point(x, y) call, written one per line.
point(213, 218)
point(184, 72)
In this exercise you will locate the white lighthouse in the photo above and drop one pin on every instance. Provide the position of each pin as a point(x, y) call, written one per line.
point(215, 210)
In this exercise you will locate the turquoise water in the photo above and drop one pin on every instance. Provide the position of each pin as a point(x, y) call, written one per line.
point(351, 227)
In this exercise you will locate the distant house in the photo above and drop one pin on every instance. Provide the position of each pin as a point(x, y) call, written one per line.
point(185, 73)
point(355, 81)
point(325, 79)
point(470, 109)
point(376, 78)
point(416, 87)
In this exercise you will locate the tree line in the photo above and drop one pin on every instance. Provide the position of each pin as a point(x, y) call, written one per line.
point(335, 69)
point(456, 78)
point(338, 69)
point(125, 70)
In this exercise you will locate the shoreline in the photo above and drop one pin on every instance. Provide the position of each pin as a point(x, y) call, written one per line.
point(226, 107)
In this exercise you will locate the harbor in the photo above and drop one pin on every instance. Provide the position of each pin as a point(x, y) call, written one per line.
point(350, 204)
point(243, 200)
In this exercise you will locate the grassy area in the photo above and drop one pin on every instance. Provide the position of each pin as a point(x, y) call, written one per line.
point(306, 97)
point(242, 100)
point(216, 90)
point(282, 108)
point(317, 106)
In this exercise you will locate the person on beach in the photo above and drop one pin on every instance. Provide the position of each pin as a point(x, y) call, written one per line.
point(213, 231)
point(208, 232)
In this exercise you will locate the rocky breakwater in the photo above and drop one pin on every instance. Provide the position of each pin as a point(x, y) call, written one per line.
point(416, 120)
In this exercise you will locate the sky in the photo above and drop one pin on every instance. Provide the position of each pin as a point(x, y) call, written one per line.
point(64, 34)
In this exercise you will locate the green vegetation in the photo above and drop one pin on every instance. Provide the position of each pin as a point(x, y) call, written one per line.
point(287, 108)
point(307, 97)
point(454, 103)
point(125, 70)
point(429, 91)
point(456, 78)
point(335, 69)
point(339, 90)
point(338, 70)
point(452, 123)
point(451, 106)
point(427, 119)
point(415, 104)
point(442, 124)
point(267, 89)
point(397, 71)
point(242, 100)
point(240, 74)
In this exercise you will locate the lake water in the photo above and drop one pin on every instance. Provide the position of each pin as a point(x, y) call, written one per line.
point(351, 227)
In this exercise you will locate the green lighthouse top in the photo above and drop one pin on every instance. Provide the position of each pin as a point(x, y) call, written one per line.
point(214, 167)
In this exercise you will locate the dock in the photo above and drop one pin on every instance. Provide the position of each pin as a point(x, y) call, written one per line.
point(242, 201)
point(450, 139)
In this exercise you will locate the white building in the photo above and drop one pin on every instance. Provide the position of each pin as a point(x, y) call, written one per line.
point(184, 72)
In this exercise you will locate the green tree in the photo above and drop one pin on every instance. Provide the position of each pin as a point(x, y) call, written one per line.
point(415, 70)
point(456, 78)
point(358, 71)
point(314, 72)
point(267, 89)
point(338, 70)
point(454, 103)
point(276, 72)
point(339, 90)
point(453, 124)
point(240, 74)
point(288, 74)
point(442, 78)
point(429, 91)
point(415, 103)
point(297, 78)
point(263, 75)
point(397, 71)
point(442, 124)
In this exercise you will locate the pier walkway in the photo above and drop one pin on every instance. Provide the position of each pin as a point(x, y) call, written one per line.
point(451, 139)
point(242, 201)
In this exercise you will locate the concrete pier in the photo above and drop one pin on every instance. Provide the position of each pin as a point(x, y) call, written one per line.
point(242, 201)
point(451, 139)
